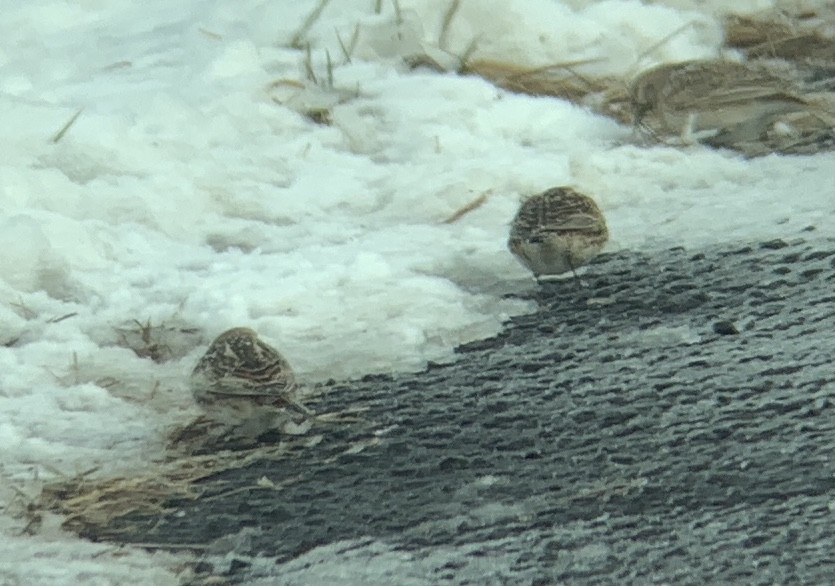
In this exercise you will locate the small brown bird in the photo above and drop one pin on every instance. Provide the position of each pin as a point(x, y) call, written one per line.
point(557, 231)
point(722, 103)
point(241, 379)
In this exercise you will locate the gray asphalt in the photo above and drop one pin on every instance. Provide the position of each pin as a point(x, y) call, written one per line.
point(672, 422)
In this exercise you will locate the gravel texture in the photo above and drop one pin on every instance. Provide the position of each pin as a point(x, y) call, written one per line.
point(669, 421)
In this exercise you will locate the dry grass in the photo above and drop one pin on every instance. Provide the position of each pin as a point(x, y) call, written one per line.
point(29, 314)
point(155, 342)
point(60, 134)
point(348, 50)
point(443, 37)
point(775, 35)
point(798, 39)
point(743, 32)
point(607, 96)
point(558, 79)
point(314, 99)
point(77, 375)
point(92, 505)
point(807, 46)
point(469, 207)
point(805, 51)
point(296, 42)
point(100, 507)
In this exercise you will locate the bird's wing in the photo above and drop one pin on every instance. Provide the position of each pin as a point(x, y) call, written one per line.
point(741, 95)
point(575, 222)
point(234, 386)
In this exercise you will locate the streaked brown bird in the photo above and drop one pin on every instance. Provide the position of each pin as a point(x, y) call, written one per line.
point(557, 231)
point(242, 379)
point(722, 103)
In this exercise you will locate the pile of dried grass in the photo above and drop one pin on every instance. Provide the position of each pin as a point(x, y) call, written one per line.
point(607, 96)
point(805, 41)
point(92, 506)
point(559, 79)
point(105, 507)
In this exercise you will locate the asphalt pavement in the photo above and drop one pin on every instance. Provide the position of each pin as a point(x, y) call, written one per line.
point(668, 420)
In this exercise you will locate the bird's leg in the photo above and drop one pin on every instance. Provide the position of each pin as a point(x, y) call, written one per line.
point(544, 293)
point(577, 278)
point(298, 407)
point(687, 133)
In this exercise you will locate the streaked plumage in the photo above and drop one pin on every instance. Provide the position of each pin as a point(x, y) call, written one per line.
point(557, 231)
point(241, 377)
point(723, 101)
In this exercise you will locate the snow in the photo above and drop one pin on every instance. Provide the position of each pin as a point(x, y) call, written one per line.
point(191, 192)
